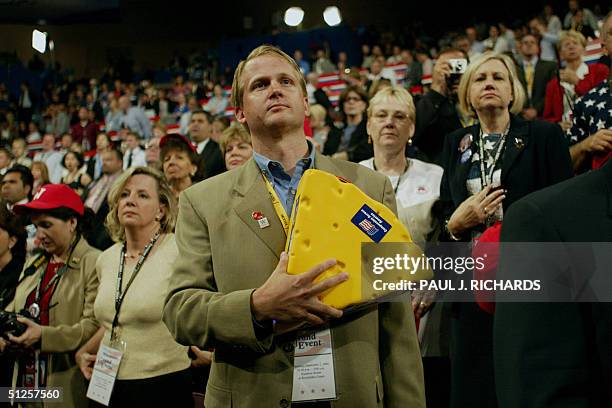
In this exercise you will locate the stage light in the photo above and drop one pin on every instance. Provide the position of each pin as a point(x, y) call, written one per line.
point(39, 41)
point(294, 16)
point(331, 15)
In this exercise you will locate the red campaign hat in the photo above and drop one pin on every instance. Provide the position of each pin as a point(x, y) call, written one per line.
point(52, 196)
point(178, 137)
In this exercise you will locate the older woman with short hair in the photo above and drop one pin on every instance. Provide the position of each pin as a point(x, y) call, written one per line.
point(501, 151)
point(180, 162)
point(236, 146)
point(154, 370)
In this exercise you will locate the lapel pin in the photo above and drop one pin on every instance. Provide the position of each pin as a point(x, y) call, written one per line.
point(519, 143)
point(261, 220)
point(465, 142)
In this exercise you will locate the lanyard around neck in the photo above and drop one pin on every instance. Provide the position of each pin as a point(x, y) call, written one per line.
point(120, 295)
point(278, 207)
point(399, 179)
point(486, 179)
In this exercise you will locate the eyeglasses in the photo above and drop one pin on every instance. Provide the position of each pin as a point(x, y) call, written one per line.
point(397, 117)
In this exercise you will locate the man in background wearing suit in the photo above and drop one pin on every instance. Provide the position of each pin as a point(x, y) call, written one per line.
point(230, 290)
point(534, 74)
point(555, 354)
point(200, 129)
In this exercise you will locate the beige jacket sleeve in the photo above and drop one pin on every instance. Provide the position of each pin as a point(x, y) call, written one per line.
point(68, 337)
point(195, 312)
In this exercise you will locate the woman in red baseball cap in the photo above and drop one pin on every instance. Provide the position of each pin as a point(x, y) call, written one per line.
point(56, 292)
point(180, 162)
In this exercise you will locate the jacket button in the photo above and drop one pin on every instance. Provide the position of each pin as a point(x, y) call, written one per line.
point(284, 403)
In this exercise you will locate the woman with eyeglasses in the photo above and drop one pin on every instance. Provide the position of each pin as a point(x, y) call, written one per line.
point(55, 296)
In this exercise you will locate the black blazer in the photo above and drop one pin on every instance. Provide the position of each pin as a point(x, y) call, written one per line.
point(555, 354)
point(358, 149)
point(436, 116)
point(544, 71)
point(214, 163)
point(536, 156)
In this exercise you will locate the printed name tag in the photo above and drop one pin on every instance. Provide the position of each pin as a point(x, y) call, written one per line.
point(371, 223)
point(104, 374)
point(313, 371)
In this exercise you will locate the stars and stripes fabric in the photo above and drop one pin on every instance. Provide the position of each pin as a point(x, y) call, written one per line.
point(591, 113)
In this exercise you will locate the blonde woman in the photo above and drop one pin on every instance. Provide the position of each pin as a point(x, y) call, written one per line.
point(141, 220)
point(487, 167)
point(236, 146)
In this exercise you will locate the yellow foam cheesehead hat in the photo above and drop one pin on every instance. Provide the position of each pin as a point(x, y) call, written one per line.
point(331, 219)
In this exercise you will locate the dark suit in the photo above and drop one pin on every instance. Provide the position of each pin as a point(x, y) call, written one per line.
point(555, 354)
point(544, 71)
point(214, 163)
point(535, 157)
point(436, 116)
point(358, 149)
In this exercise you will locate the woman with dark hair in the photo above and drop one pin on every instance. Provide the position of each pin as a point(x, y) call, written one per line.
point(181, 163)
point(351, 143)
point(12, 257)
point(75, 178)
point(56, 292)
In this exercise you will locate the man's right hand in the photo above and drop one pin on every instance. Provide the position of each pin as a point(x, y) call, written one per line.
point(295, 298)
point(441, 71)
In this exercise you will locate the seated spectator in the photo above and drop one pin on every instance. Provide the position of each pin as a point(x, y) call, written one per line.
point(579, 26)
point(413, 71)
point(180, 162)
point(16, 186)
point(84, 132)
point(58, 290)
point(423, 57)
point(319, 126)
point(75, 177)
point(378, 86)
point(5, 160)
point(181, 106)
point(162, 105)
point(200, 130)
point(112, 161)
point(133, 156)
point(588, 18)
point(396, 57)
point(40, 173)
point(112, 120)
point(378, 72)
point(496, 42)
point(218, 126)
point(19, 149)
point(217, 104)
point(534, 74)
point(159, 130)
point(476, 47)
point(33, 135)
point(51, 157)
point(65, 143)
point(322, 64)
point(185, 119)
point(154, 370)
point(236, 146)
point(316, 95)
point(302, 63)
point(134, 118)
point(94, 164)
point(352, 143)
point(152, 153)
point(576, 79)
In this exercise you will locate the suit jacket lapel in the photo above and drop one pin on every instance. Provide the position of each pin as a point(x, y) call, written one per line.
point(516, 141)
point(255, 197)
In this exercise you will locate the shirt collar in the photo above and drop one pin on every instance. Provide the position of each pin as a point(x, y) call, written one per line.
point(533, 60)
point(273, 167)
point(200, 147)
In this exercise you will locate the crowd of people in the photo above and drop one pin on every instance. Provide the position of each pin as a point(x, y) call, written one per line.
point(92, 173)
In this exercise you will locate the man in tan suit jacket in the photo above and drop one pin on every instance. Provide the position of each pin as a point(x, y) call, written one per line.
point(230, 290)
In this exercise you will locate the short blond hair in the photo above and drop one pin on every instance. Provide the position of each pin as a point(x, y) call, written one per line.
point(237, 83)
point(518, 93)
point(394, 93)
point(232, 134)
point(318, 112)
point(571, 35)
point(168, 220)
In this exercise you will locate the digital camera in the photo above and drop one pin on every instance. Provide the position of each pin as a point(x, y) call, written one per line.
point(10, 325)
